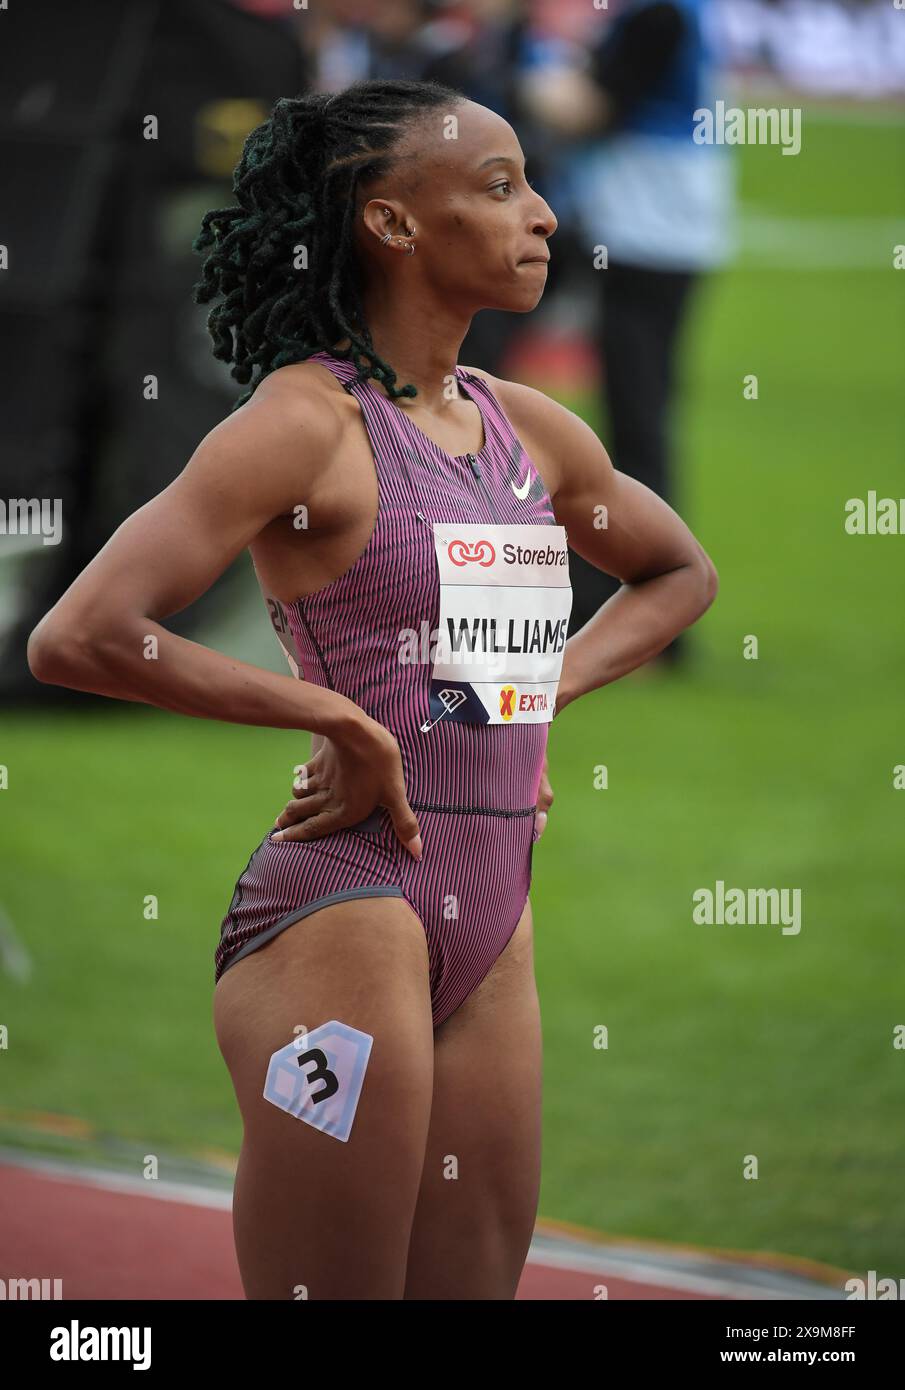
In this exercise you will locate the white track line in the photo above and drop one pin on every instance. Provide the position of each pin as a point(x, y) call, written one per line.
point(192, 1194)
point(708, 1286)
point(541, 1254)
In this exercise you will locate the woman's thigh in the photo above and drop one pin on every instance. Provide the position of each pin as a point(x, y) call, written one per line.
point(314, 1216)
point(479, 1189)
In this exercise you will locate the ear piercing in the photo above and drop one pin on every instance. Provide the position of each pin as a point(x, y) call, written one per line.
point(410, 247)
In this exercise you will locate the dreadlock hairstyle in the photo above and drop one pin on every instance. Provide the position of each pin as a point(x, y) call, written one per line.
point(296, 184)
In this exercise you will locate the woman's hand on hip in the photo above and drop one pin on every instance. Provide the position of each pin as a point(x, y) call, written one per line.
point(342, 782)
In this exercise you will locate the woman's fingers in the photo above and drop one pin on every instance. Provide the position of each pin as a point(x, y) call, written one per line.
point(307, 783)
point(313, 827)
point(307, 774)
point(405, 822)
point(303, 808)
point(544, 802)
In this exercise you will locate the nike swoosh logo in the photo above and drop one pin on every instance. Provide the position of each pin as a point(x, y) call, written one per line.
point(522, 492)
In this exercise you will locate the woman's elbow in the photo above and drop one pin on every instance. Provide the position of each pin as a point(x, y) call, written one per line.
point(57, 654)
point(45, 654)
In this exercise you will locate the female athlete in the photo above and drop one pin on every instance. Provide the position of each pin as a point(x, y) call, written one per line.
point(407, 518)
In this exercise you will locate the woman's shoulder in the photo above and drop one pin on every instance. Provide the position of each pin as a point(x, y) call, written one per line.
point(518, 399)
point(303, 392)
point(296, 412)
point(540, 422)
point(292, 427)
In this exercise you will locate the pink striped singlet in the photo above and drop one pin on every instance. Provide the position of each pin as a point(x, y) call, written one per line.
point(449, 631)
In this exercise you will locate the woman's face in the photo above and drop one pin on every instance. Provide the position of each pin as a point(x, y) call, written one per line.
point(480, 229)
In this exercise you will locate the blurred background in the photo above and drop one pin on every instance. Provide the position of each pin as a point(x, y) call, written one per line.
point(730, 320)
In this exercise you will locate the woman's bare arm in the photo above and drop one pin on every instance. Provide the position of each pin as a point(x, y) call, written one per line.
point(623, 528)
point(257, 464)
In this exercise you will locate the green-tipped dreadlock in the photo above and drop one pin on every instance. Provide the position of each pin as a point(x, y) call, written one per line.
point(296, 183)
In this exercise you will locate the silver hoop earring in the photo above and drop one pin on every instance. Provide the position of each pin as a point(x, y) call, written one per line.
point(385, 240)
point(410, 249)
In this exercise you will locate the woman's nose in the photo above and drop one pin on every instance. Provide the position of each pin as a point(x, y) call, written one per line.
point(544, 223)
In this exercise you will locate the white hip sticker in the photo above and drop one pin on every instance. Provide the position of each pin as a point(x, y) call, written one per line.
point(505, 600)
point(318, 1077)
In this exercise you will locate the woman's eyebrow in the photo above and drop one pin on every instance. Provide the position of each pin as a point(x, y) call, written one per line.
point(499, 159)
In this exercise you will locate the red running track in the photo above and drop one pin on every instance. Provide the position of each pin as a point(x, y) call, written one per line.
point(109, 1236)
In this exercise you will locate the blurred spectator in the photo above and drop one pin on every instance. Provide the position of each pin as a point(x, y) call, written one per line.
point(850, 47)
point(654, 209)
point(351, 40)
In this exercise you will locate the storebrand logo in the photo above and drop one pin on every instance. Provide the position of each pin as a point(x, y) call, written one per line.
point(536, 555)
point(77, 1343)
point(481, 553)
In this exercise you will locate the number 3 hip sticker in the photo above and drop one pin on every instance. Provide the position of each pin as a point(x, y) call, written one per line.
point(318, 1077)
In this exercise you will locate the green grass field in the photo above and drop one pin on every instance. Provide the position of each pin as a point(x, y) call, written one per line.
point(724, 1041)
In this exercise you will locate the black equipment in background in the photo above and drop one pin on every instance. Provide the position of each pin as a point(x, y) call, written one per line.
point(98, 223)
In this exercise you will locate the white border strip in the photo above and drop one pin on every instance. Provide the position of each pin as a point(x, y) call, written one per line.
point(542, 1253)
point(191, 1194)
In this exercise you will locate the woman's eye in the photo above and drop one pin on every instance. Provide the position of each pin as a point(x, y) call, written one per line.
point(506, 186)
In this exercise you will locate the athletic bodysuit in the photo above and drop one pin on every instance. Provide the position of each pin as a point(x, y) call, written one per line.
point(449, 631)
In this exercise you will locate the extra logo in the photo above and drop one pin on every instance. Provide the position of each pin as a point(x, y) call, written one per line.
point(461, 553)
point(524, 704)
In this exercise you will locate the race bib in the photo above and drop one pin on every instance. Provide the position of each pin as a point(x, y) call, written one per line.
point(319, 1075)
point(505, 600)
